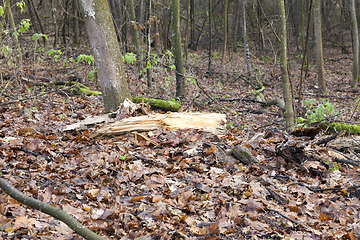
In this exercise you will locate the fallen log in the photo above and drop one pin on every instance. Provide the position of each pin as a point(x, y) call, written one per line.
point(210, 122)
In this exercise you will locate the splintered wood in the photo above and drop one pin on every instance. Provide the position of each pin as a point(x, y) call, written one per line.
point(210, 122)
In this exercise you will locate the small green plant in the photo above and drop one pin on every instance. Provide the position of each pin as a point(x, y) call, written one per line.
point(87, 58)
point(130, 58)
point(123, 157)
point(92, 74)
point(37, 36)
point(56, 54)
point(62, 116)
point(317, 111)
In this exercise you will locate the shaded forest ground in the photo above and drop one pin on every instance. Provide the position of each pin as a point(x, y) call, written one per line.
point(125, 188)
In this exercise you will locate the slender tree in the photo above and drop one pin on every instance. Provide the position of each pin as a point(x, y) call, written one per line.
point(135, 30)
point(187, 28)
point(210, 38)
point(175, 33)
point(54, 22)
point(319, 49)
point(42, 29)
point(235, 27)
point(244, 35)
point(289, 112)
point(225, 30)
point(15, 38)
point(355, 34)
point(75, 23)
point(106, 51)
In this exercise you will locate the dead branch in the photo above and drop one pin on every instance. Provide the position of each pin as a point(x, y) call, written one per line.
point(48, 209)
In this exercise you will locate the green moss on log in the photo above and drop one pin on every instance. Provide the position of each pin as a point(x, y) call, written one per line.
point(162, 104)
point(335, 127)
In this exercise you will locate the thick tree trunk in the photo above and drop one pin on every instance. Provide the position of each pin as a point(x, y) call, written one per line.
point(175, 33)
point(319, 50)
point(289, 112)
point(101, 31)
point(354, 82)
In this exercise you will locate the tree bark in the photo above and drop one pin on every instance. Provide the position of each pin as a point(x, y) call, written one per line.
point(187, 28)
point(246, 47)
point(289, 112)
point(108, 60)
point(235, 27)
point(54, 22)
point(354, 83)
point(15, 38)
point(175, 33)
point(75, 23)
point(210, 38)
point(319, 50)
point(225, 30)
point(134, 27)
point(40, 22)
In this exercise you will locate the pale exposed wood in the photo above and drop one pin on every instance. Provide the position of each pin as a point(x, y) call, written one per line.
point(210, 122)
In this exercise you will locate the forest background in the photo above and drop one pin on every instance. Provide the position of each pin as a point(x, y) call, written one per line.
point(258, 62)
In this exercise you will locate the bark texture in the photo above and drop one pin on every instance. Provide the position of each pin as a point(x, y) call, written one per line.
point(106, 51)
point(289, 112)
point(354, 83)
point(319, 49)
point(179, 63)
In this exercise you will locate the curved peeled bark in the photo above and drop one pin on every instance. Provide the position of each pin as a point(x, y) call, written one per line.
point(106, 51)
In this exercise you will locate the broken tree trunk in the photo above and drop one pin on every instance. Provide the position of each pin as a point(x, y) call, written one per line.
point(210, 122)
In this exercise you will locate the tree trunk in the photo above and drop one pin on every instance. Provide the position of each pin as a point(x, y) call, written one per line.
point(31, 16)
point(15, 38)
point(75, 23)
point(54, 22)
point(235, 27)
point(319, 50)
point(108, 60)
point(354, 82)
point(246, 47)
point(175, 33)
point(134, 27)
point(156, 36)
point(187, 28)
point(210, 38)
point(40, 22)
point(289, 112)
point(192, 24)
point(225, 31)
point(148, 57)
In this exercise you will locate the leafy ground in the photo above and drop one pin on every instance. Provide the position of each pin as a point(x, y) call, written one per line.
point(125, 188)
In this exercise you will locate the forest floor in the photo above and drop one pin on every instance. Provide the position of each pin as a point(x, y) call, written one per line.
point(125, 188)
